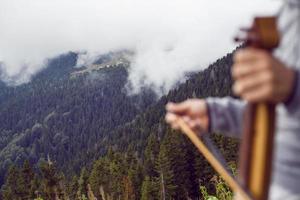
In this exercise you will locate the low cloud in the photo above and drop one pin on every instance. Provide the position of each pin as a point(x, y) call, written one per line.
point(169, 37)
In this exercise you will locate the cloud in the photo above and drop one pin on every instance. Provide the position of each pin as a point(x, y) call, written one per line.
point(170, 37)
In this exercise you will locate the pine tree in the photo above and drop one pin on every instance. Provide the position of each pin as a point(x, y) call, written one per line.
point(151, 153)
point(134, 173)
point(73, 188)
point(182, 159)
point(10, 188)
point(176, 154)
point(117, 172)
point(50, 180)
point(165, 182)
point(99, 176)
point(27, 184)
point(83, 183)
point(148, 190)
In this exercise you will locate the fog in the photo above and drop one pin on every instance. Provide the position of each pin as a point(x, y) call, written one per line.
point(169, 37)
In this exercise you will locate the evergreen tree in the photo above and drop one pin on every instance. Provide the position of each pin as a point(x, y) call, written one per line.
point(151, 153)
point(134, 173)
point(100, 176)
point(82, 184)
point(179, 151)
point(148, 190)
point(117, 172)
point(165, 182)
point(177, 159)
point(73, 187)
point(10, 188)
point(50, 180)
point(28, 186)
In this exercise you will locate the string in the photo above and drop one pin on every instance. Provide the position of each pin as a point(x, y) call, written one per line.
point(233, 184)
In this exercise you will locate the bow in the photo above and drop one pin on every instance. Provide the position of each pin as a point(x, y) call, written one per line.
point(258, 129)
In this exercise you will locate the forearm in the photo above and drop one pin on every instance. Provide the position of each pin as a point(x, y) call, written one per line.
point(226, 115)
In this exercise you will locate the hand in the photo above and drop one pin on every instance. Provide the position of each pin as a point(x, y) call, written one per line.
point(260, 77)
point(193, 111)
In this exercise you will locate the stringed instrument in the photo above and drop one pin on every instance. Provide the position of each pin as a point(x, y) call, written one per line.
point(256, 156)
point(255, 163)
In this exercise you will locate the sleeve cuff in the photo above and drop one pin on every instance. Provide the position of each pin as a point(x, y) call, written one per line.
point(216, 122)
point(225, 115)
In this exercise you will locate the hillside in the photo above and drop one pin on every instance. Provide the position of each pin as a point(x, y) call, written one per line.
point(64, 115)
point(83, 120)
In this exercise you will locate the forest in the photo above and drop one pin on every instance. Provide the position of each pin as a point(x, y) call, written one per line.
point(82, 137)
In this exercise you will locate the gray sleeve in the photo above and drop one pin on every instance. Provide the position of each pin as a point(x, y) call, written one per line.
point(226, 115)
point(293, 103)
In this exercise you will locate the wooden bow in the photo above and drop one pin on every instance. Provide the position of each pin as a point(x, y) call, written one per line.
point(258, 129)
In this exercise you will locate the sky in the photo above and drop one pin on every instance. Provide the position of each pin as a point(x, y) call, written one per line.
point(170, 37)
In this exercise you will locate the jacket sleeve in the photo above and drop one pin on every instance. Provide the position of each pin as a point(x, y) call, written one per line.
point(226, 115)
point(293, 103)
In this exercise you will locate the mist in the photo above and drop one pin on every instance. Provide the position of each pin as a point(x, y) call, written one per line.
point(169, 37)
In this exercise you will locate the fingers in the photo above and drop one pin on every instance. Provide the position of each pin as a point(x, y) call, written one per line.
point(249, 55)
point(172, 120)
point(254, 74)
point(179, 108)
point(241, 70)
point(261, 94)
point(250, 61)
point(191, 107)
point(198, 125)
point(250, 83)
point(193, 112)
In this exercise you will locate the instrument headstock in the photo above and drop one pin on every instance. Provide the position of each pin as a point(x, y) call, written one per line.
point(262, 34)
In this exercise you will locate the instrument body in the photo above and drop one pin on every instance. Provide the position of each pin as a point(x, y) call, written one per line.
point(256, 156)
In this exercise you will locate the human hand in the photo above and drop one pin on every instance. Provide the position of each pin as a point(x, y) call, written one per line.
point(259, 77)
point(192, 111)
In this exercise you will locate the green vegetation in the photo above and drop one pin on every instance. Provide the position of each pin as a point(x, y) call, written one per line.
point(104, 144)
point(114, 176)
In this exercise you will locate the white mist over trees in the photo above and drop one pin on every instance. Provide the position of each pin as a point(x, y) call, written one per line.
point(169, 37)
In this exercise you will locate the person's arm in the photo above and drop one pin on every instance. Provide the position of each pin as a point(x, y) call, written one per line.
point(222, 115)
point(226, 115)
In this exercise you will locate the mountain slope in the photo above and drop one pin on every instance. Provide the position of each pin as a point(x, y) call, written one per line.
point(85, 122)
point(213, 81)
point(63, 115)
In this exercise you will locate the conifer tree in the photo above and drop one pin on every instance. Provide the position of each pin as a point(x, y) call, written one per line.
point(151, 153)
point(83, 183)
point(177, 151)
point(165, 182)
point(148, 190)
point(50, 180)
point(99, 176)
point(73, 188)
point(27, 184)
point(10, 188)
point(117, 172)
